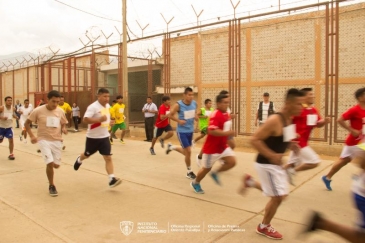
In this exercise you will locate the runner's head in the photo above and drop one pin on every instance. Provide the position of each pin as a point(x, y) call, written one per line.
point(166, 100)
point(360, 95)
point(8, 101)
point(222, 102)
point(266, 96)
point(103, 96)
point(308, 96)
point(208, 103)
point(188, 95)
point(293, 102)
point(53, 99)
point(62, 100)
point(26, 103)
point(120, 99)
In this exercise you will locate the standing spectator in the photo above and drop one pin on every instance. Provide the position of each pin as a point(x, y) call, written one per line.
point(76, 116)
point(149, 110)
point(265, 109)
point(17, 106)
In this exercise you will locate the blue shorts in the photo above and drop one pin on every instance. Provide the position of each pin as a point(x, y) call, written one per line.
point(185, 139)
point(360, 205)
point(6, 133)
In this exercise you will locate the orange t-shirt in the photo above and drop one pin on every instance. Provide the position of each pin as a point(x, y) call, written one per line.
point(49, 122)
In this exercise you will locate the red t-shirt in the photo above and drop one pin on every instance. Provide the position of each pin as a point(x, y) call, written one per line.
point(213, 144)
point(302, 128)
point(356, 116)
point(162, 111)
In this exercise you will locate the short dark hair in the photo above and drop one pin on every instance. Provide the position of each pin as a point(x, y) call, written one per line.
point(165, 98)
point(26, 100)
point(266, 94)
point(119, 97)
point(53, 93)
point(225, 92)
point(187, 90)
point(103, 91)
point(359, 93)
point(220, 97)
point(149, 97)
point(8, 97)
point(114, 101)
point(293, 93)
point(306, 90)
point(207, 101)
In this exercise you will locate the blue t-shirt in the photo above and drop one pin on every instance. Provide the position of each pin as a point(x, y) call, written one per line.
point(187, 113)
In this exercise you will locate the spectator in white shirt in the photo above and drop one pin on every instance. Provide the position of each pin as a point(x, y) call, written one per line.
point(149, 110)
point(265, 109)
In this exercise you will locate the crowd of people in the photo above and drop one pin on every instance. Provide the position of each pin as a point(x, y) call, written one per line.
point(278, 130)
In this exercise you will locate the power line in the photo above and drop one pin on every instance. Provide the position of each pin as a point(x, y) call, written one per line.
point(88, 12)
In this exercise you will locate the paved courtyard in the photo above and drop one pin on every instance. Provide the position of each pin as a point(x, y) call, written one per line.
point(155, 197)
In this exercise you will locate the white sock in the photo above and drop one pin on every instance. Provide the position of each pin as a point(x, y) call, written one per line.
point(111, 176)
point(172, 147)
point(251, 182)
point(79, 160)
point(194, 182)
point(263, 225)
point(189, 169)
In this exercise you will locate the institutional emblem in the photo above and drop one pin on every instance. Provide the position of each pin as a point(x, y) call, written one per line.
point(126, 227)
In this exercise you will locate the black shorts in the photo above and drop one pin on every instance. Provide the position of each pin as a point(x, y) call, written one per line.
point(97, 144)
point(159, 130)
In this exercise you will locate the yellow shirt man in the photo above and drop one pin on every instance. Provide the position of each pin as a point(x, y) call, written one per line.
point(65, 107)
point(117, 113)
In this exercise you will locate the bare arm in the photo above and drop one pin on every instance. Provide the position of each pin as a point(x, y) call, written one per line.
point(344, 124)
point(90, 120)
point(221, 133)
point(27, 124)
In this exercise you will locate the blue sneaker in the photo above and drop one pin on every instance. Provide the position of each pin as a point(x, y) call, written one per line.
point(327, 183)
point(215, 178)
point(197, 188)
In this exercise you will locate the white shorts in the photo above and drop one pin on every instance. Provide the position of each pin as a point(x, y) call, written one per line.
point(209, 159)
point(273, 178)
point(306, 155)
point(352, 152)
point(21, 124)
point(51, 151)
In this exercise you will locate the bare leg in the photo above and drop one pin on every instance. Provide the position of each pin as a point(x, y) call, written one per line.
point(337, 166)
point(350, 234)
point(122, 135)
point(201, 174)
point(303, 167)
point(187, 153)
point(108, 164)
point(202, 135)
point(229, 162)
point(50, 172)
point(153, 142)
point(271, 208)
point(231, 143)
point(168, 135)
point(11, 145)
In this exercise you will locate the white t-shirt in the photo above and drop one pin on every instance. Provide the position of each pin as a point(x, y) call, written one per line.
point(26, 112)
point(98, 130)
point(151, 107)
point(265, 111)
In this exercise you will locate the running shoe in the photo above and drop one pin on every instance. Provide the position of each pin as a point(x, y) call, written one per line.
point(197, 188)
point(114, 136)
point(11, 157)
point(63, 147)
point(53, 191)
point(77, 164)
point(327, 183)
point(162, 142)
point(21, 137)
point(269, 232)
point(190, 175)
point(215, 178)
point(152, 151)
point(114, 182)
point(313, 221)
point(246, 183)
point(111, 140)
point(168, 150)
point(122, 141)
point(291, 174)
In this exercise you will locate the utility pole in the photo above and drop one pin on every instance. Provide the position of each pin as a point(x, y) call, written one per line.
point(125, 62)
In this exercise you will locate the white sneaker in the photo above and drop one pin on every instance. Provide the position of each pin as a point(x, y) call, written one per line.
point(291, 174)
point(25, 141)
point(198, 161)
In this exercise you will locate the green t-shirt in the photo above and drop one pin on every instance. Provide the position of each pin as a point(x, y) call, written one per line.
point(203, 122)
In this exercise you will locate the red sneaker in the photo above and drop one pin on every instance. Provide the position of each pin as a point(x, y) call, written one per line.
point(269, 232)
point(245, 184)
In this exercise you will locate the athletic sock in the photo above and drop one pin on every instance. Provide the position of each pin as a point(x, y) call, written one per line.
point(172, 147)
point(263, 226)
point(111, 176)
point(79, 160)
point(194, 182)
point(251, 182)
point(189, 169)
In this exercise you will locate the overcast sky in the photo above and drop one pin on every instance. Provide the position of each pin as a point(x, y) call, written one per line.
point(31, 25)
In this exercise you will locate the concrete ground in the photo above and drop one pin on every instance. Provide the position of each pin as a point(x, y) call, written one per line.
point(155, 197)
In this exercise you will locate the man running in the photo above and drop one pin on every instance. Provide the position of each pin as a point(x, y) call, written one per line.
point(7, 114)
point(186, 110)
point(118, 115)
point(97, 116)
point(356, 128)
point(51, 122)
point(203, 115)
point(162, 124)
point(271, 141)
point(215, 146)
point(305, 122)
point(24, 112)
point(110, 128)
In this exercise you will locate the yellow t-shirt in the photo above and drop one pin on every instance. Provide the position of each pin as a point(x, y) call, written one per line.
point(65, 107)
point(118, 113)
